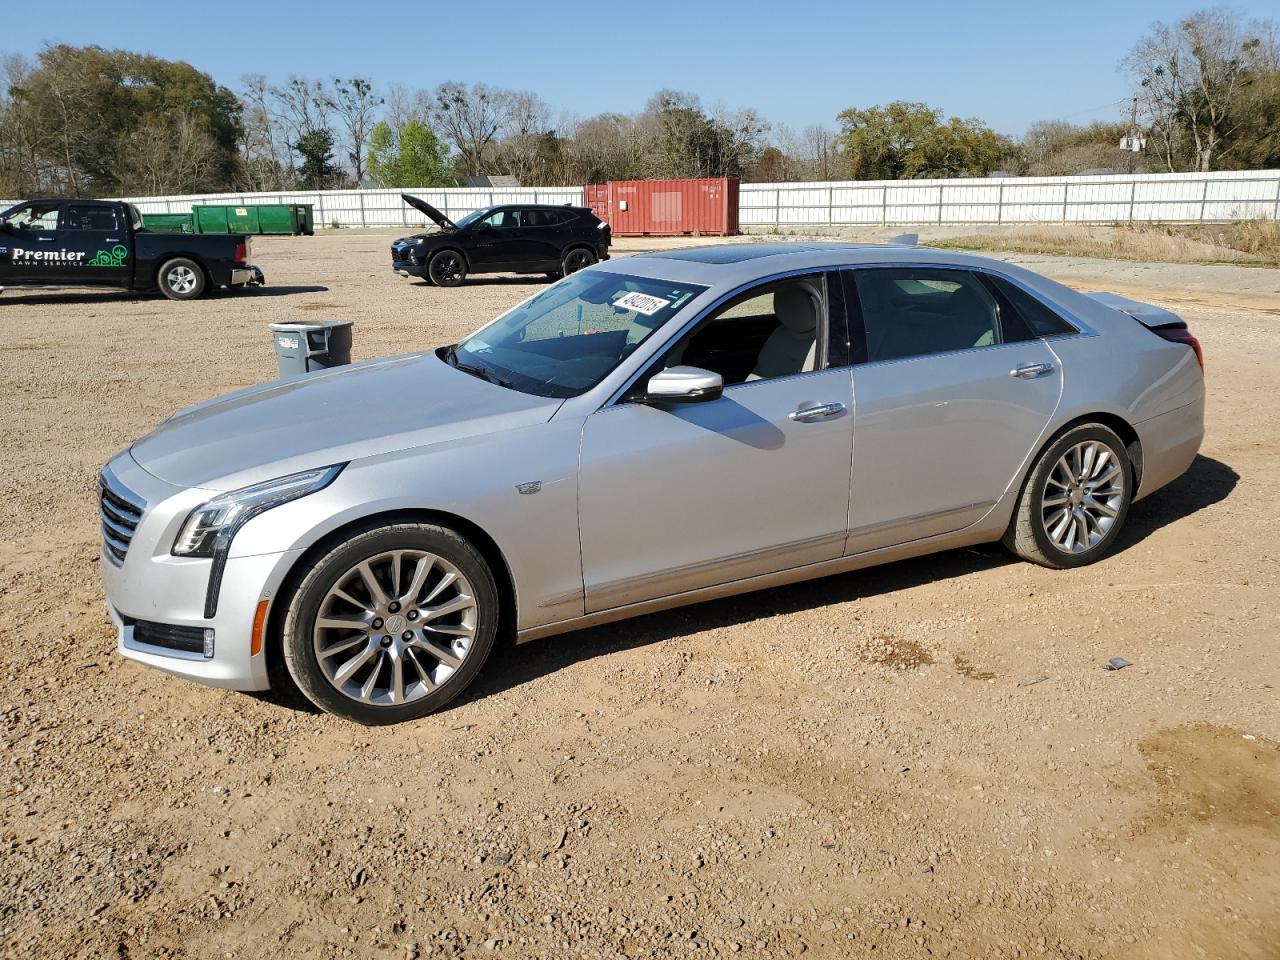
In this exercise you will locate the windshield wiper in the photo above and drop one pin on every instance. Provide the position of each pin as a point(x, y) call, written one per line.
point(451, 356)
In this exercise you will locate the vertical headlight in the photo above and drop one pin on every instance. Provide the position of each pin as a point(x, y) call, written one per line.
point(217, 521)
point(210, 527)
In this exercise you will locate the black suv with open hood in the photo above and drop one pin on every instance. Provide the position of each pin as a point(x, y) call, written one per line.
point(507, 238)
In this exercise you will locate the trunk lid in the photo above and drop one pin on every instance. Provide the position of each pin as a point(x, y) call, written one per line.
point(1147, 314)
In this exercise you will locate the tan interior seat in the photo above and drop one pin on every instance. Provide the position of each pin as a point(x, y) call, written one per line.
point(793, 347)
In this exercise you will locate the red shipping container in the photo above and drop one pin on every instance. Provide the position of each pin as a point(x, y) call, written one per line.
point(671, 208)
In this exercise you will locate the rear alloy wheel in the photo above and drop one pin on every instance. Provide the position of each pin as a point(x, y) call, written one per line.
point(447, 269)
point(1075, 499)
point(391, 625)
point(576, 259)
point(181, 279)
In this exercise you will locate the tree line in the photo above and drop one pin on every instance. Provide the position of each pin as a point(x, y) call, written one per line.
point(84, 121)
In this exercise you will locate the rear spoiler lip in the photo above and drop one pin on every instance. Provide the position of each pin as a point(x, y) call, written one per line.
point(1147, 314)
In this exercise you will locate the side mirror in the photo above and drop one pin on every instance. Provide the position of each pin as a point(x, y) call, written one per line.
point(684, 385)
point(6, 226)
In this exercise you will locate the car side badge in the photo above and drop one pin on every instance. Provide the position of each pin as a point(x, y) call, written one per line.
point(532, 486)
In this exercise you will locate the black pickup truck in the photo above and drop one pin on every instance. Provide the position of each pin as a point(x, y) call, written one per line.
point(102, 243)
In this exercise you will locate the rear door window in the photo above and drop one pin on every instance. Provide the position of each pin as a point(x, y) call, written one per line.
point(914, 311)
point(83, 217)
point(1040, 319)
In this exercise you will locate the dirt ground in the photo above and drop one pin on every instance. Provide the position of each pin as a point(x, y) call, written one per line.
point(921, 760)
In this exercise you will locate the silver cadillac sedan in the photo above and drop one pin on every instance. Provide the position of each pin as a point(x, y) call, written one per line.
point(652, 431)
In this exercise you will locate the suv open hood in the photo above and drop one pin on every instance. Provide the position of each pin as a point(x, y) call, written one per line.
point(429, 210)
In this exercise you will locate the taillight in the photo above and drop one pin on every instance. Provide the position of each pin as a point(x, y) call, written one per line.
point(242, 252)
point(1182, 335)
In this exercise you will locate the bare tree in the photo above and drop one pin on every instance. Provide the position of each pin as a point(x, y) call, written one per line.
point(470, 118)
point(262, 142)
point(171, 157)
point(527, 128)
point(304, 106)
point(1192, 74)
point(356, 105)
point(404, 104)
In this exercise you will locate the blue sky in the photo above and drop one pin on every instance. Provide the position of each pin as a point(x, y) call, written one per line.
point(797, 62)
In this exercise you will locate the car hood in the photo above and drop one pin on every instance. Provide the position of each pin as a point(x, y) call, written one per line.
point(333, 416)
point(431, 212)
point(424, 235)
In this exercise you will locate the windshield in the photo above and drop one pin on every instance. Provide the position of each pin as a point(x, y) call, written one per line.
point(571, 336)
point(471, 218)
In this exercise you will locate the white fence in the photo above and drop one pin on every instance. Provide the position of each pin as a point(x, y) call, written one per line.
point(1208, 197)
point(373, 208)
point(1145, 198)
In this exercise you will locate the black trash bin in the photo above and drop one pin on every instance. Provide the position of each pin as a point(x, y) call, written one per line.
point(314, 345)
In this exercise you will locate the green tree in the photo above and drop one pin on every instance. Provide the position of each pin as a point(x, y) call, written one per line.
point(86, 112)
point(318, 170)
point(413, 157)
point(910, 140)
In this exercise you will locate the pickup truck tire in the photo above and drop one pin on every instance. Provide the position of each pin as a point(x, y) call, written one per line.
point(447, 268)
point(181, 279)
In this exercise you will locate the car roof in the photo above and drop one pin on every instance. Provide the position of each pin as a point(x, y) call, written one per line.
point(541, 206)
point(81, 201)
point(736, 263)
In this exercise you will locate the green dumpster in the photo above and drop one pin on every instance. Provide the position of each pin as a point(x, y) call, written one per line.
point(169, 222)
point(242, 220)
point(210, 219)
point(277, 218)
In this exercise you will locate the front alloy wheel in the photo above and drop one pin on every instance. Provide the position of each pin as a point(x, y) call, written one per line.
point(447, 269)
point(395, 627)
point(392, 624)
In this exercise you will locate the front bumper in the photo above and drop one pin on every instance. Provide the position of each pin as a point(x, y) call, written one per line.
point(152, 585)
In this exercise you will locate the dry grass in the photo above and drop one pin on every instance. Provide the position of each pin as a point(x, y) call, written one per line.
point(1250, 242)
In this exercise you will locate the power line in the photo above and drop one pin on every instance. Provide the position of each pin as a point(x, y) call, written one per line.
point(1105, 106)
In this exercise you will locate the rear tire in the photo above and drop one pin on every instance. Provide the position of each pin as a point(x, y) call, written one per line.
point(1074, 501)
point(447, 269)
point(401, 634)
point(577, 259)
point(181, 279)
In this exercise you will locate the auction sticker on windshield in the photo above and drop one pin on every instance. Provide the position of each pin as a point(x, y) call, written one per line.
point(641, 303)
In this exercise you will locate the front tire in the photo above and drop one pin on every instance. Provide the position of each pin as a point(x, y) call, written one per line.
point(392, 624)
point(181, 279)
point(447, 269)
point(1074, 501)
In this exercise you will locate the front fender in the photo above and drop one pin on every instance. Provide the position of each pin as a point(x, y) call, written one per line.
point(476, 479)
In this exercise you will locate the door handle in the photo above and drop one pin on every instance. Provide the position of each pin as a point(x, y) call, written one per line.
point(809, 412)
point(44, 239)
point(111, 240)
point(1030, 371)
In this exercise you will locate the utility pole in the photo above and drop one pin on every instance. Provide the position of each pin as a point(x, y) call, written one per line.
point(1134, 142)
